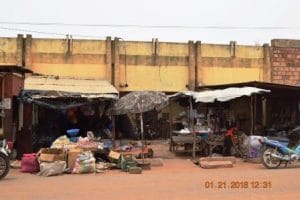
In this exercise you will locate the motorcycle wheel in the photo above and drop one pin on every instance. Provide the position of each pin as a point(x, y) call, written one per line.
point(4, 165)
point(268, 161)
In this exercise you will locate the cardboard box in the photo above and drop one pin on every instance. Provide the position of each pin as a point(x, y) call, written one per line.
point(51, 155)
point(72, 156)
point(114, 155)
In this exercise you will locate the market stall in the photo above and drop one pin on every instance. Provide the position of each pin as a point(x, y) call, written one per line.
point(52, 105)
point(210, 114)
point(138, 103)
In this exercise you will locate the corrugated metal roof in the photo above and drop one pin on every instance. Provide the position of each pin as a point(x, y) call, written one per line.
point(259, 84)
point(226, 94)
point(64, 86)
point(221, 94)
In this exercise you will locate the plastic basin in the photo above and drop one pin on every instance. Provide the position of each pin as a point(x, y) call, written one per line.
point(73, 132)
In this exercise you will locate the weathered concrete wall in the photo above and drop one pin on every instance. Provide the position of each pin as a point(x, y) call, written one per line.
point(286, 61)
point(153, 66)
point(8, 51)
point(133, 65)
point(76, 58)
point(230, 63)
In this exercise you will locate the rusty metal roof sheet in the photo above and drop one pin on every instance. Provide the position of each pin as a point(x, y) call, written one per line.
point(54, 86)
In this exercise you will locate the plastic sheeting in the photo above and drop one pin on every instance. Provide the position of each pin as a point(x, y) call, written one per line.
point(221, 95)
point(64, 93)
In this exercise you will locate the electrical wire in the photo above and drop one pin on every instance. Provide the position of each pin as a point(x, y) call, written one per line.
point(152, 26)
point(49, 33)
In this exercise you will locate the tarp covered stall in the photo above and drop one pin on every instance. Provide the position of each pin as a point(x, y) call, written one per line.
point(275, 111)
point(51, 105)
point(212, 96)
point(45, 90)
point(221, 95)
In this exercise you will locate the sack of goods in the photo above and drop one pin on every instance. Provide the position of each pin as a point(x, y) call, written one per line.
point(86, 143)
point(85, 163)
point(52, 168)
point(60, 142)
point(30, 163)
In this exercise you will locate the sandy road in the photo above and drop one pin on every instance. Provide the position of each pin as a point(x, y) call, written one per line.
point(178, 179)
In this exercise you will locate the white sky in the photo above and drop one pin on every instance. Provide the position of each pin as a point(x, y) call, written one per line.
point(200, 13)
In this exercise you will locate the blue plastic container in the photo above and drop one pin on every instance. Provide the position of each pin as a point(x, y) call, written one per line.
point(73, 132)
point(73, 139)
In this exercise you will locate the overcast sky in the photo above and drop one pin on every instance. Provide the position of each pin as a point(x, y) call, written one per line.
point(210, 21)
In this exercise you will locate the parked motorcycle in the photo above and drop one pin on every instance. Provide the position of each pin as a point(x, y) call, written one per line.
point(4, 158)
point(275, 153)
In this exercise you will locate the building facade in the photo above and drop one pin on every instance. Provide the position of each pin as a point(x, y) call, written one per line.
point(154, 65)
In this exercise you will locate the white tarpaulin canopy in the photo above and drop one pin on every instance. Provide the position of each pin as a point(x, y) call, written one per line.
point(221, 94)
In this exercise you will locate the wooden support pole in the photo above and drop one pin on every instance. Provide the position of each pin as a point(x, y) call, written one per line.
point(113, 121)
point(171, 125)
point(192, 127)
point(251, 115)
point(264, 112)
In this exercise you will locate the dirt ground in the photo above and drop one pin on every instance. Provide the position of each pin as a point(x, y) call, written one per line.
point(179, 178)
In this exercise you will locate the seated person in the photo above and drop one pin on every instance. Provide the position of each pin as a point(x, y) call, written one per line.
point(228, 139)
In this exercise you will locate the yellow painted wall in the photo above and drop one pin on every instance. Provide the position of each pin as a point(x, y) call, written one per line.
point(8, 51)
point(87, 58)
point(8, 45)
point(71, 70)
point(173, 49)
point(223, 51)
point(135, 48)
point(89, 47)
point(234, 69)
point(221, 75)
point(169, 79)
point(249, 51)
point(62, 65)
point(215, 50)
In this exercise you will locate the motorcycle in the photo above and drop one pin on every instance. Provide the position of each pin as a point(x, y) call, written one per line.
point(274, 153)
point(4, 158)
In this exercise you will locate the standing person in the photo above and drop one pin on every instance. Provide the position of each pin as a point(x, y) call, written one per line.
point(228, 139)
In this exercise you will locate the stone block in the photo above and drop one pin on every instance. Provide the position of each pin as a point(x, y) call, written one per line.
point(219, 158)
point(216, 164)
point(154, 162)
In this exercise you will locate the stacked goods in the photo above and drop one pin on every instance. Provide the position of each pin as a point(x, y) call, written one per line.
point(86, 143)
point(85, 163)
point(61, 142)
point(72, 156)
point(52, 161)
point(51, 155)
point(127, 162)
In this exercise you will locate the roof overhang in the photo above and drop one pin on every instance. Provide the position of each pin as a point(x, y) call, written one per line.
point(259, 84)
point(14, 69)
point(221, 95)
point(61, 87)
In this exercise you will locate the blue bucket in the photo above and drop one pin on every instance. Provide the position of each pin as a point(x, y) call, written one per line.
point(73, 132)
